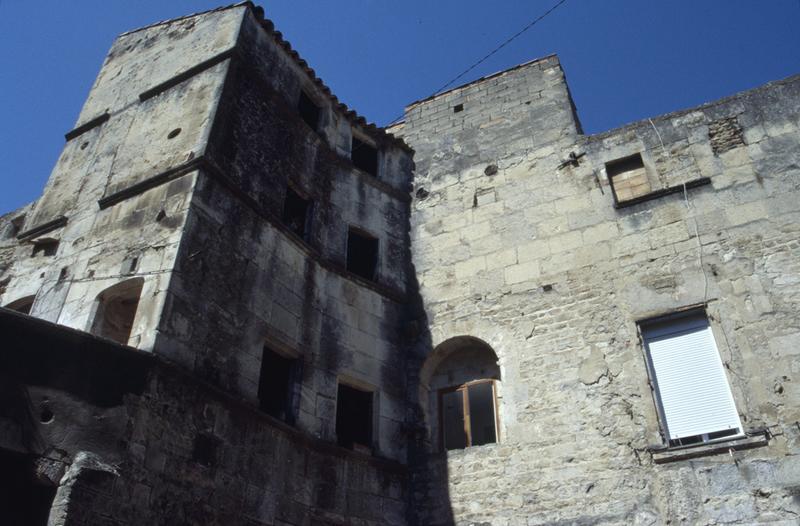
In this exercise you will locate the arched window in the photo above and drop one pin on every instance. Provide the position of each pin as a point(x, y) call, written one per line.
point(116, 310)
point(22, 305)
point(461, 377)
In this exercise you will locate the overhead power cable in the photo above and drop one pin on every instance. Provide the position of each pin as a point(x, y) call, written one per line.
point(492, 52)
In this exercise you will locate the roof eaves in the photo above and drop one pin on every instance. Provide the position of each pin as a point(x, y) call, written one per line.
point(369, 127)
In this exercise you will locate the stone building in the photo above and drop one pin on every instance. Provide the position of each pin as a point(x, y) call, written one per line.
point(243, 304)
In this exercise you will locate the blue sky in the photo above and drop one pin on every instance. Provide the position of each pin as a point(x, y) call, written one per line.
point(625, 60)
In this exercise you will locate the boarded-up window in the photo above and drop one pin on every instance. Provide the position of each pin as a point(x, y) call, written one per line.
point(628, 178)
point(276, 384)
point(362, 254)
point(691, 388)
point(354, 417)
point(364, 156)
point(116, 310)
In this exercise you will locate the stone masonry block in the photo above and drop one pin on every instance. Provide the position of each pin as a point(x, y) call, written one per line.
point(501, 259)
point(522, 272)
point(470, 267)
point(601, 232)
point(747, 213)
point(534, 250)
point(566, 241)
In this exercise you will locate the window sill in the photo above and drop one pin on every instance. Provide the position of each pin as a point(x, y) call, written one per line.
point(702, 181)
point(667, 455)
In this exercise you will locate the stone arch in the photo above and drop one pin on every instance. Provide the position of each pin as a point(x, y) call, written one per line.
point(22, 305)
point(115, 310)
point(463, 368)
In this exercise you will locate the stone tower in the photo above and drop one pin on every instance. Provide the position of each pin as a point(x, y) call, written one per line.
point(247, 305)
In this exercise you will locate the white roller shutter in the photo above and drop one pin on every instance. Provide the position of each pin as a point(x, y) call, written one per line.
point(690, 379)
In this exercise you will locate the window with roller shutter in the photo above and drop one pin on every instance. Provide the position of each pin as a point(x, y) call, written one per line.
point(691, 388)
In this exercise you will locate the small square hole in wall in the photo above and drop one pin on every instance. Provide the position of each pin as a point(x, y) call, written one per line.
point(364, 156)
point(15, 226)
point(309, 111)
point(296, 213)
point(628, 178)
point(362, 254)
point(458, 108)
point(353, 417)
point(205, 450)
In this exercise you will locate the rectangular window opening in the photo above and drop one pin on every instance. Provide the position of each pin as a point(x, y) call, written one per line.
point(364, 156)
point(354, 417)
point(296, 213)
point(45, 247)
point(276, 385)
point(14, 226)
point(205, 448)
point(693, 397)
point(309, 111)
point(468, 416)
point(24, 496)
point(362, 254)
point(458, 108)
point(628, 178)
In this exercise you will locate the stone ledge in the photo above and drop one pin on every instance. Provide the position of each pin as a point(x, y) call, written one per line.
point(665, 456)
point(44, 228)
point(83, 128)
point(186, 75)
point(702, 181)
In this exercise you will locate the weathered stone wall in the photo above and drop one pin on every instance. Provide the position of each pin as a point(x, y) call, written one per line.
point(535, 260)
point(177, 174)
point(118, 432)
point(244, 279)
point(117, 198)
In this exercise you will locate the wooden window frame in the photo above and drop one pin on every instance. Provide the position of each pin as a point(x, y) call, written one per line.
point(464, 389)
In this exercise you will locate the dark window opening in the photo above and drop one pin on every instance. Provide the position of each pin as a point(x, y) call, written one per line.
point(45, 247)
point(296, 213)
point(468, 415)
point(628, 178)
point(130, 265)
point(364, 156)
point(362, 254)
point(275, 385)
point(23, 305)
point(14, 227)
point(205, 450)
point(353, 417)
point(309, 111)
point(458, 108)
point(25, 499)
point(116, 310)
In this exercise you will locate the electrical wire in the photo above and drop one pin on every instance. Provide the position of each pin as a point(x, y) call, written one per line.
point(492, 52)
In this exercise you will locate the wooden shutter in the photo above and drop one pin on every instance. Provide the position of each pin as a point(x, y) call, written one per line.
point(691, 384)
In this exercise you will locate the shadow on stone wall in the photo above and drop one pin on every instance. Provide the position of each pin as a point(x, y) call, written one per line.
point(429, 496)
